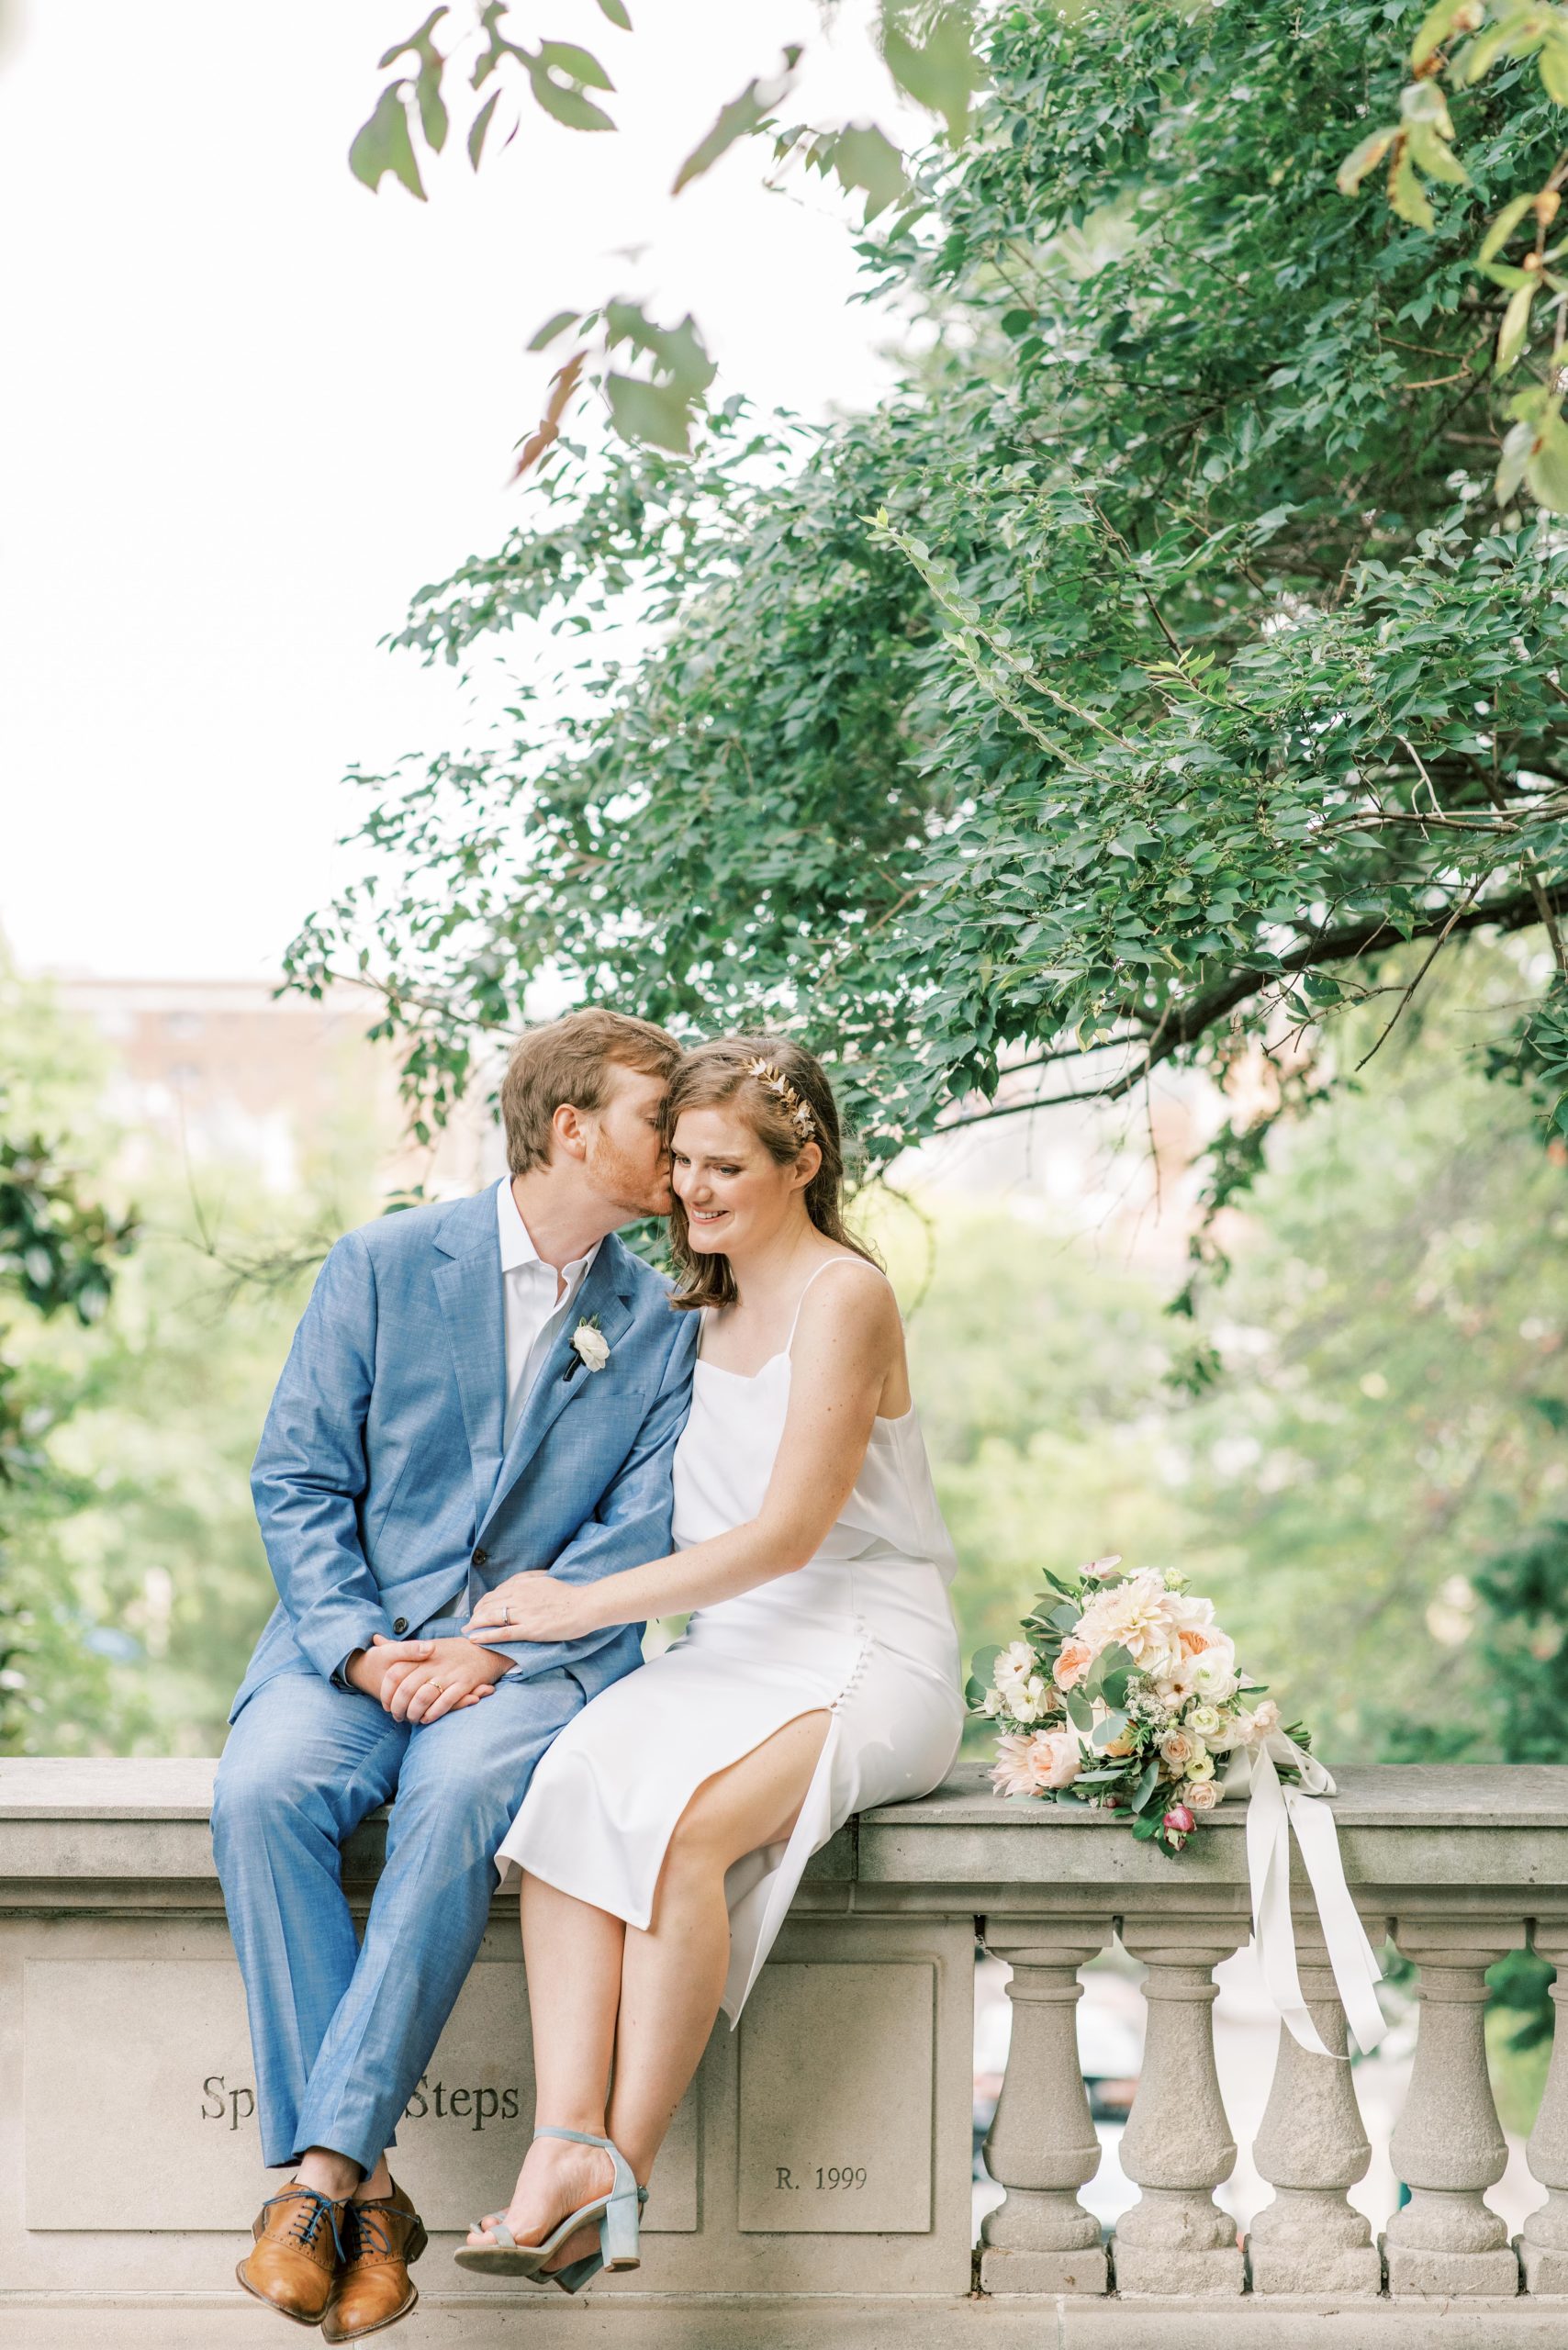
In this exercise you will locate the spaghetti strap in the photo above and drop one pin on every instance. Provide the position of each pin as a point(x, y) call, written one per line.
point(826, 1266)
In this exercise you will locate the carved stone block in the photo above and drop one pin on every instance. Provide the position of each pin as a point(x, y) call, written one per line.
point(836, 2073)
point(150, 2058)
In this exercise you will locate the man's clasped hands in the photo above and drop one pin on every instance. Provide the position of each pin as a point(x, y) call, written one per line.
point(417, 1681)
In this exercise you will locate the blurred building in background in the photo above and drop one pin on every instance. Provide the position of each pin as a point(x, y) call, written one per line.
point(227, 1071)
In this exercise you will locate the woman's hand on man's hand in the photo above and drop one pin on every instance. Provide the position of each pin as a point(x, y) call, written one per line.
point(531, 1606)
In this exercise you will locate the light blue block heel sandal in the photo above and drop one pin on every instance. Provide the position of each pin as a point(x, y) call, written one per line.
point(577, 2275)
point(618, 2214)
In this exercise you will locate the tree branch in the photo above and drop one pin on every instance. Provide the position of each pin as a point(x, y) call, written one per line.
point(1184, 1024)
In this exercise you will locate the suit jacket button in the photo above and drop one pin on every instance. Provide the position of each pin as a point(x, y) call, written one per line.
point(399, 1625)
point(481, 1557)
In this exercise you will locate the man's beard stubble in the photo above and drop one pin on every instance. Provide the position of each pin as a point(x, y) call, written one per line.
point(618, 1179)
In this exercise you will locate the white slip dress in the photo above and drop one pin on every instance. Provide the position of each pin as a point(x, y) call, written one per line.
point(863, 1631)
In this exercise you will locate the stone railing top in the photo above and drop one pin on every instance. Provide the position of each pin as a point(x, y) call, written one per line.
point(106, 1787)
point(1521, 1795)
point(1477, 1831)
point(1392, 1795)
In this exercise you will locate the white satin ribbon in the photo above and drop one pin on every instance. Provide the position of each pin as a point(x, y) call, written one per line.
point(1273, 1811)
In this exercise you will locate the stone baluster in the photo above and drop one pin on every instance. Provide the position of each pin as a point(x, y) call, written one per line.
point(1447, 2146)
point(1042, 2146)
point(1310, 2147)
point(1178, 2145)
point(1543, 2246)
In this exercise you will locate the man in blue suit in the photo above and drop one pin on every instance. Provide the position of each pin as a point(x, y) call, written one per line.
point(491, 1384)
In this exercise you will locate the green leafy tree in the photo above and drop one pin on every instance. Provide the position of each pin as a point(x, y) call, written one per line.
point(1393, 1365)
point(1142, 683)
point(1463, 42)
point(133, 1580)
point(58, 1253)
point(1041, 1366)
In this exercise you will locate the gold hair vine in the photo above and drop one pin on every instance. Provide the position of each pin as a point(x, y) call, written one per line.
point(800, 1113)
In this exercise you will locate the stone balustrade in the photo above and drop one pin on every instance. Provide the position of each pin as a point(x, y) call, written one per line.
point(816, 2188)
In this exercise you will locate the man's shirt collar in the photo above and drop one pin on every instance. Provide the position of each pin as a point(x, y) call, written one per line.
point(517, 1246)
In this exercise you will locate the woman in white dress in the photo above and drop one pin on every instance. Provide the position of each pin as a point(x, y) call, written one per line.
point(667, 1829)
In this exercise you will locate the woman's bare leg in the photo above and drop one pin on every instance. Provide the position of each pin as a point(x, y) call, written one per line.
point(572, 1954)
point(583, 1966)
point(673, 1974)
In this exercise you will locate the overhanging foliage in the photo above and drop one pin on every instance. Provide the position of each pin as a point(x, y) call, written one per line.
point(1147, 675)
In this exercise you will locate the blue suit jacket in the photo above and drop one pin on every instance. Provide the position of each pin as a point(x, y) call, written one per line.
point(382, 1492)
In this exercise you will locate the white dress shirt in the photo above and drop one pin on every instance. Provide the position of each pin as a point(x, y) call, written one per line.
point(531, 1307)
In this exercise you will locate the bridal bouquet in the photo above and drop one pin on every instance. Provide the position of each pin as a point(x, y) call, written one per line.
point(1125, 1694)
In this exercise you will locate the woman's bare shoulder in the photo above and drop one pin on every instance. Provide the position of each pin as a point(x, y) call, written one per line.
point(834, 1304)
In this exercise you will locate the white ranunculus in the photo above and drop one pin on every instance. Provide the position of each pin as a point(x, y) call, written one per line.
point(1214, 1676)
point(592, 1345)
point(1206, 1722)
point(1028, 1702)
point(1201, 1767)
point(1012, 1671)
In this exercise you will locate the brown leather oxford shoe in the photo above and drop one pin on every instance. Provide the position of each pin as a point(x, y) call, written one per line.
point(297, 2262)
point(375, 2289)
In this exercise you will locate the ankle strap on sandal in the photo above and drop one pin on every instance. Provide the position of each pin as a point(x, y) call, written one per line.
point(626, 2178)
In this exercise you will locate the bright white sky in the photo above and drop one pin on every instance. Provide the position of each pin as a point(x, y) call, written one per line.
point(250, 407)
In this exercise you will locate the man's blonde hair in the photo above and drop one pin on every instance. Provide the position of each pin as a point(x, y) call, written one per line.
point(569, 1061)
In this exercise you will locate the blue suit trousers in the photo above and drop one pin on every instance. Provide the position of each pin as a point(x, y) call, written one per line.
point(343, 2031)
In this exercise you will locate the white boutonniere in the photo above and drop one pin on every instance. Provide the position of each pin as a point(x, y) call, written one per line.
point(592, 1344)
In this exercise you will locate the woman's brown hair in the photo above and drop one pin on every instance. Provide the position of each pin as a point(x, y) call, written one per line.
point(720, 1073)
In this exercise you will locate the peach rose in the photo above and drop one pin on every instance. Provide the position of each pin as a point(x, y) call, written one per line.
point(1054, 1757)
point(1072, 1664)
